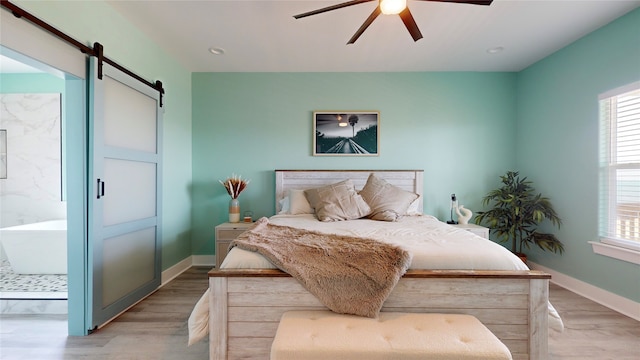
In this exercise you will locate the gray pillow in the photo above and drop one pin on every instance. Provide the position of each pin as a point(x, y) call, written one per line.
point(388, 202)
point(337, 202)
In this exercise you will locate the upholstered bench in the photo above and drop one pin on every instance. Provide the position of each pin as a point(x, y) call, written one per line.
point(322, 335)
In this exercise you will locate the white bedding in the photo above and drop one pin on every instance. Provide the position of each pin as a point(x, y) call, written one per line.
point(433, 244)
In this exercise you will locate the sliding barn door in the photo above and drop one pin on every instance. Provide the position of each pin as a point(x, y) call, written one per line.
point(124, 232)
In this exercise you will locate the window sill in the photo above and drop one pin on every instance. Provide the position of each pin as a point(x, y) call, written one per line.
point(616, 252)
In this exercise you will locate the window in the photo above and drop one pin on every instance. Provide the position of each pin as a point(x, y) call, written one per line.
point(619, 198)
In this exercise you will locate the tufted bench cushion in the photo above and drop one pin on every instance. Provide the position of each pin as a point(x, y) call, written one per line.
point(322, 335)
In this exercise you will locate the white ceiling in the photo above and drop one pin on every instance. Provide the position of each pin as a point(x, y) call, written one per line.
point(263, 36)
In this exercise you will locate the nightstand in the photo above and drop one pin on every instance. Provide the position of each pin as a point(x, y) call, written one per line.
point(225, 233)
point(476, 229)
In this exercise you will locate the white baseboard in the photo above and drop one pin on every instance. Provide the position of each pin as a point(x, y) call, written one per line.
point(203, 260)
point(184, 265)
point(613, 301)
point(177, 269)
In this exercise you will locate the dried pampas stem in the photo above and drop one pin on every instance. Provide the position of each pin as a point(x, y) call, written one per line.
point(234, 185)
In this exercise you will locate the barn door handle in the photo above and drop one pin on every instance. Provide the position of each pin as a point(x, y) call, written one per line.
point(100, 188)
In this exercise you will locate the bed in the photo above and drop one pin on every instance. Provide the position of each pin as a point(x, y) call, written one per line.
point(245, 304)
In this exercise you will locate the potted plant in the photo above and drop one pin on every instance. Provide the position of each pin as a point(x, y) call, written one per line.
point(517, 211)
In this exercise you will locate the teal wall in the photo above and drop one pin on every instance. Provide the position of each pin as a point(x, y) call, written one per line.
point(463, 129)
point(31, 83)
point(557, 144)
point(457, 127)
point(91, 21)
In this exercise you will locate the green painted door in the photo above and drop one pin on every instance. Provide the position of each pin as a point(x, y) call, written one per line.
point(125, 192)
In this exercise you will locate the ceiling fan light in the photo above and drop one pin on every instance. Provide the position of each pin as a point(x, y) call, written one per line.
point(216, 51)
point(392, 7)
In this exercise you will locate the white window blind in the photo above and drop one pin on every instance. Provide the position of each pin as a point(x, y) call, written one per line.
point(619, 200)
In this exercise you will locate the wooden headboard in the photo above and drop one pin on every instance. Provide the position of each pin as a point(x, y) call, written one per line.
point(410, 180)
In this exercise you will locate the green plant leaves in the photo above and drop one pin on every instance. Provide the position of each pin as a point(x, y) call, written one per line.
point(516, 211)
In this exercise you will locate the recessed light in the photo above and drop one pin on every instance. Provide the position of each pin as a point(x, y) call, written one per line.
point(495, 50)
point(216, 51)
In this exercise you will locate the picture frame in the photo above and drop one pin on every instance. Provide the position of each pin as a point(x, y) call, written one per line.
point(346, 133)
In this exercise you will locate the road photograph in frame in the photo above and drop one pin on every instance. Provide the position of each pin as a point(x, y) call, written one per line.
point(346, 133)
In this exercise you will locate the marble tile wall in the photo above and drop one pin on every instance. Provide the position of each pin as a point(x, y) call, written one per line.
point(32, 190)
point(37, 306)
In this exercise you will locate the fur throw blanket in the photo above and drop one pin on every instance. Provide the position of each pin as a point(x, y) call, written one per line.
point(349, 275)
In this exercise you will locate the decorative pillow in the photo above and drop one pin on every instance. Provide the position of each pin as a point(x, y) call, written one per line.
point(337, 202)
point(298, 203)
point(414, 207)
point(387, 202)
point(295, 203)
point(284, 206)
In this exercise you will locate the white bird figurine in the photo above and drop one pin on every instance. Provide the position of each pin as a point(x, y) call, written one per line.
point(463, 214)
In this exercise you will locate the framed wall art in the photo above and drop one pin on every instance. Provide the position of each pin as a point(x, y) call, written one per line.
point(346, 133)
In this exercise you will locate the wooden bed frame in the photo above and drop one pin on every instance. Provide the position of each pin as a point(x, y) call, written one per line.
point(245, 305)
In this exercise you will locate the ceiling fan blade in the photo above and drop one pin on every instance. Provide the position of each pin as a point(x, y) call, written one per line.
point(365, 25)
point(332, 7)
point(410, 23)
point(472, 2)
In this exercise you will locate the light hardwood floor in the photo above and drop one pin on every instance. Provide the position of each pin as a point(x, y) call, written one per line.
point(156, 329)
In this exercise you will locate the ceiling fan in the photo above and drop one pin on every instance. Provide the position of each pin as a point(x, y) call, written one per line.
point(388, 7)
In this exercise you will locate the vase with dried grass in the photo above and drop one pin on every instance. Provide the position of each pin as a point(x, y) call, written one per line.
point(234, 185)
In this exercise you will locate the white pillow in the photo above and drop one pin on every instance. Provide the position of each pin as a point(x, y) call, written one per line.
point(298, 203)
point(413, 207)
point(284, 206)
point(295, 203)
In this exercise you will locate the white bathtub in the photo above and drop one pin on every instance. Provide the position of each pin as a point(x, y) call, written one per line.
point(38, 248)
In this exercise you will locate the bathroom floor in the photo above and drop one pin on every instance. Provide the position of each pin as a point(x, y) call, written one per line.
point(10, 281)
